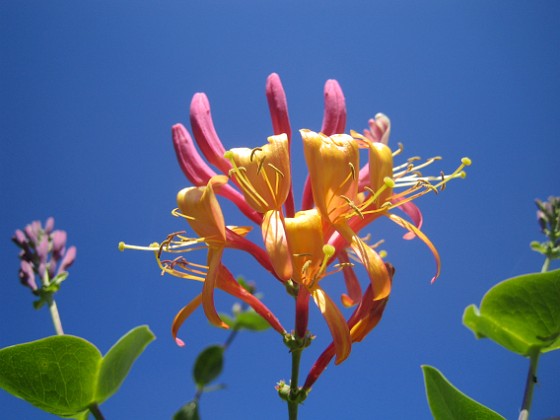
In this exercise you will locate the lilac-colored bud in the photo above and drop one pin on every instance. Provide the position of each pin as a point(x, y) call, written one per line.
point(43, 249)
point(68, 259)
point(51, 268)
point(20, 239)
point(58, 244)
point(26, 275)
point(31, 232)
point(49, 225)
point(42, 270)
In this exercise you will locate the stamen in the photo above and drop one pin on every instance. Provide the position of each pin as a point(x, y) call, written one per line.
point(353, 170)
point(260, 165)
point(255, 150)
point(152, 247)
point(353, 206)
point(276, 169)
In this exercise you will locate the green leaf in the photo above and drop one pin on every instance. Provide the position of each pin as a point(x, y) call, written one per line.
point(56, 374)
point(250, 320)
point(119, 359)
point(522, 314)
point(188, 412)
point(208, 365)
point(448, 403)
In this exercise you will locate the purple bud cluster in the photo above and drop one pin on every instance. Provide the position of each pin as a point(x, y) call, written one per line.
point(548, 216)
point(43, 253)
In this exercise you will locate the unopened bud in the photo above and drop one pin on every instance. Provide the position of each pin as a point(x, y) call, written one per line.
point(68, 259)
point(49, 225)
point(58, 244)
point(27, 276)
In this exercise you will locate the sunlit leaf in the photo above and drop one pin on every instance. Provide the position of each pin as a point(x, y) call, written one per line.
point(522, 314)
point(448, 403)
point(119, 359)
point(56, 374)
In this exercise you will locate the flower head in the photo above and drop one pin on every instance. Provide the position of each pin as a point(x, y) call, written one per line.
point(341, 197)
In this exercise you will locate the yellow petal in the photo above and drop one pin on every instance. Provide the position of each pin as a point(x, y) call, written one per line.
point(336, 323)
point(263, 173)
point(203, 212)
point(276, 244)
point(380, 167)
point(305, 235)
point(333, 164)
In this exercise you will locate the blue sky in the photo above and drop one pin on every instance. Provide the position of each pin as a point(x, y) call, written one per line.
point(90, 90)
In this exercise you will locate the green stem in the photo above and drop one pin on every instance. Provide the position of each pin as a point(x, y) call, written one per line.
point(532, 374)
point(94, 409)
point(55, 317)
point(293, 402)
point(546, 265)
point(529, 386)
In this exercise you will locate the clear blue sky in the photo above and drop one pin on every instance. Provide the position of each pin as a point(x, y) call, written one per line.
point(90, 90)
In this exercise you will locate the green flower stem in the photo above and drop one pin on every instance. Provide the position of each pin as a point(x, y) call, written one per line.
point(293, 402)
point(94, 409)
point(529, 386)
point(532, 374)
point(55, 316)
point(546, 265)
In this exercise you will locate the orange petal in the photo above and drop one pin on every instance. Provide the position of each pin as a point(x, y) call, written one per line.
point(336, 323)
point(276, 243)
point(214, 263)
point(411, 228)
point(373, 263)
point(352, 284)
point(182, 315)
point(203, 212)
point(228, 284)
point(263, 173)
point(380, 167)
point(333, 164)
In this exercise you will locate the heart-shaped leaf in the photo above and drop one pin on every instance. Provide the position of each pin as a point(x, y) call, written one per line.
point(522, 314)
point(56, 374)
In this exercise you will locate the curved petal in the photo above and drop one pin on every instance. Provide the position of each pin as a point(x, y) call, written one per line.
point(214, 264)
point(203, 212)
point(333, 163)
point(263, 173)
point(380, 167)
point(367, 316)
point(379, 129)
point(373, 263)
point(182, 315)
point(276, 243)
point(228, 284)
point(352, 284)
point(411, 228)
point(412, 211)
point(336, 323)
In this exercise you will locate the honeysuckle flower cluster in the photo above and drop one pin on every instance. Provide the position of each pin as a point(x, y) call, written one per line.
point(341, 197)
point(43, 254)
